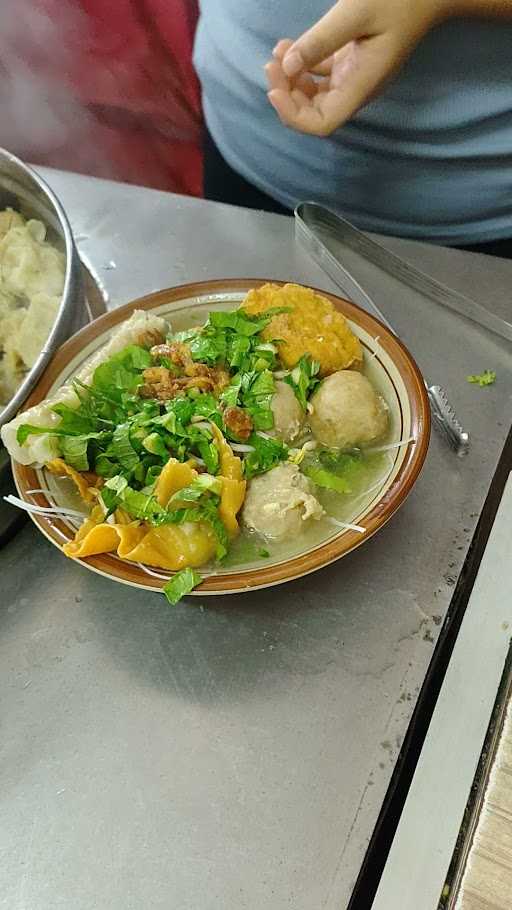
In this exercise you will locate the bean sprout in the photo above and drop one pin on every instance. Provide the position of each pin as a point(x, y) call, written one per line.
point(42, 510)
point(240, 447)
point(392, 445)
point(347, 525)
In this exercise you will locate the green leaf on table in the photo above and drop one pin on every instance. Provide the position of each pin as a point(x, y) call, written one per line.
point(488, 377)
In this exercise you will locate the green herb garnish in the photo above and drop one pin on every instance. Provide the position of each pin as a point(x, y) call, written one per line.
point(181, 584)
point(325, 478)
point(232, 339)
point(488, 377)
point(303, 379)
point(256, 394)
point(74, 451)
point(333, 470)
point(266, 454)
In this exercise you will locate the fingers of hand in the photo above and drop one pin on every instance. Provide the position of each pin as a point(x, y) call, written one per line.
point(324, 68)
point(283, 46)
point(305, 83)
point(276, 77)
point(285, 107)
point(356, 47)
point(357, 74)
point(344, 22)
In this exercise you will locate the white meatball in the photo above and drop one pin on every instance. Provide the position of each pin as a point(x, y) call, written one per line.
point(279, 503)
point(346, 411)
point(288, 414)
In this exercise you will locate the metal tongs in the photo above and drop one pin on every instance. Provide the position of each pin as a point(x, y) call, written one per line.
point(319, 231)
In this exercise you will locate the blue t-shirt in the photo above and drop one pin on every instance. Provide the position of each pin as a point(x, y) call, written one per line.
point(431, 157)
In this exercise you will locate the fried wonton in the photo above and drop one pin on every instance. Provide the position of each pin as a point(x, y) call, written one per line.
point(168, 546)
point(313, 326)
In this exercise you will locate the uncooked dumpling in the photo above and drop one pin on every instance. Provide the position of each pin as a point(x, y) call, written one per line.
point(346, 411)
point(288, 414)
point(280, 503)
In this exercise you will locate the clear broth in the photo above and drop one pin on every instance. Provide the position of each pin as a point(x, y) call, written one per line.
point(343, 507)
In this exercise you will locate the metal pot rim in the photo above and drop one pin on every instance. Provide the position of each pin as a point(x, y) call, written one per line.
point(65, 311)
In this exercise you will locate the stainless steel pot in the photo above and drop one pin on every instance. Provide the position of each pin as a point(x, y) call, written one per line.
point(22, 189)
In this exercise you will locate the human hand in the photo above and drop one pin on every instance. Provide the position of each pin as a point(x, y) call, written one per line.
point(320, 81)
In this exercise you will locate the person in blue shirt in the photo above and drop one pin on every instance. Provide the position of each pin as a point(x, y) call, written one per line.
point(397, 113)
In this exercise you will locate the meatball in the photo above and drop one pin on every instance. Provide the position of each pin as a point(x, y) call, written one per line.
point(280, 503)
point(346, 411)
point(288, 414)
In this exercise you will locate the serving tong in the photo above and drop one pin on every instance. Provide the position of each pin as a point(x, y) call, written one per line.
point(315, 225)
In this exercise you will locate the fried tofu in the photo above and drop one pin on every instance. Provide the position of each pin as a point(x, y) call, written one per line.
point(312, 326)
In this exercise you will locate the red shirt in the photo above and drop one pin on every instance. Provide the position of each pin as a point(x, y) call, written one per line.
point(108, 89)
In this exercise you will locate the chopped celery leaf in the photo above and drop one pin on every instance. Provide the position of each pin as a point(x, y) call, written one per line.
point(488, 377)
point(181, 584)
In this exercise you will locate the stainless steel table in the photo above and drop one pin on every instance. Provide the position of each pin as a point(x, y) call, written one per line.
point(231, 752)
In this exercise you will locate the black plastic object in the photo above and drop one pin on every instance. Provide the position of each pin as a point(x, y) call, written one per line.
point(11, 518)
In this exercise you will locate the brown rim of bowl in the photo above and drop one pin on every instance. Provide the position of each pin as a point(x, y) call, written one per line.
point(297, 566)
